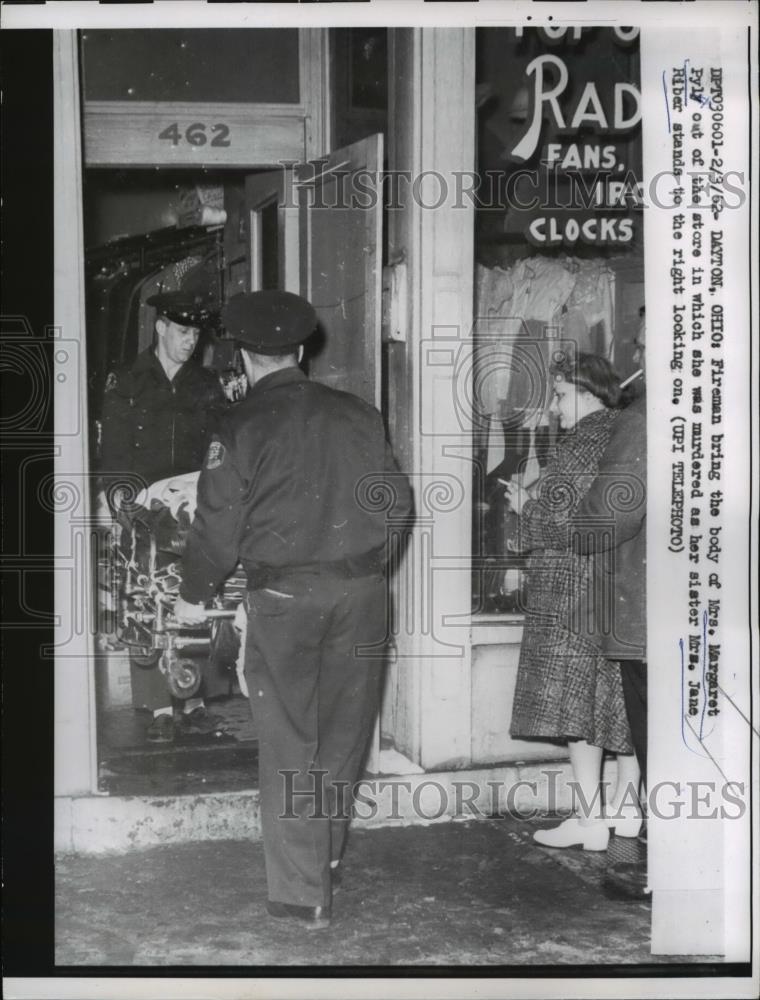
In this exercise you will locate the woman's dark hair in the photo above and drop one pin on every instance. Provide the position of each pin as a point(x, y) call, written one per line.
point(592, 373)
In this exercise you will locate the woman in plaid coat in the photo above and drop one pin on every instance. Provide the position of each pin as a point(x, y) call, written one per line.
point(567, 691)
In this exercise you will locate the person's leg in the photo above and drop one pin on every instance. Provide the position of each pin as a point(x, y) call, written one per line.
point(622, 812)
point(150, 691)
point(627, 879)
point(634, 674)
point(283, 650)
point(196, 720)
point(626, 794)
point(193, 716)
point(587, 768)
point(216, 681)
point(586, 827)
point(349, 692)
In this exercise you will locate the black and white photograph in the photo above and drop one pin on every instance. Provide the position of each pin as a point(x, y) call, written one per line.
point(380, 536)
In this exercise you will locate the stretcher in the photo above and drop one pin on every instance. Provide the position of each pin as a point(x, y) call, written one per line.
point(148, 541)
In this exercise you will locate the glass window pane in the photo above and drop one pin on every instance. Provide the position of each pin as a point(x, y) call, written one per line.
point(254, 65)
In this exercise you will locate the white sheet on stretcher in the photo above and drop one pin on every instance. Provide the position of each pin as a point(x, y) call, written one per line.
point(175, 493)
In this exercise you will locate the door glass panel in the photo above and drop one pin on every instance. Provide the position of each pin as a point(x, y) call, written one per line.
point(260, 65)
point(341, 261)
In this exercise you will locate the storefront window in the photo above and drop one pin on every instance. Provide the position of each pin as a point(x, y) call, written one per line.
point(558, 254)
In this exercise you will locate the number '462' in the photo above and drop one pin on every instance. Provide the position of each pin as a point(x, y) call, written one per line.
point(195, 134)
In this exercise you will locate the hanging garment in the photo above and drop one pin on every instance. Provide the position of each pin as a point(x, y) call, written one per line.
point(99, 301)
point(494, 289)
point(542, 287)
point(591, 305)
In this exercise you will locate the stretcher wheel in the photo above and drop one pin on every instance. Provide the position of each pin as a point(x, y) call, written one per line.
point(142, 656)
point(183, 676)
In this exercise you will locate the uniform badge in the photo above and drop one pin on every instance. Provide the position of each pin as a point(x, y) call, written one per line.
point(111, 381)
point(215, 456)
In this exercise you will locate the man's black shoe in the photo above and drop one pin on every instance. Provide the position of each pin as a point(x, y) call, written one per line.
point(311, 918)
point(161, 730)
point(201, 722)
point(625, 877)
point(626, 881)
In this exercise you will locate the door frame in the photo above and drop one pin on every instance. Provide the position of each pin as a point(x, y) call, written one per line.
point(75, 711)
point(75, 741)
point(261, 189)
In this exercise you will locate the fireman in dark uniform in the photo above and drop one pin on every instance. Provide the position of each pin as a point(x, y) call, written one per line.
point(287, 488)
point(158, 415)
point(158, 412)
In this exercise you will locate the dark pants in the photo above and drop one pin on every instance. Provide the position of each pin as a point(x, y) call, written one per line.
point(634, 673)
point(314, 697)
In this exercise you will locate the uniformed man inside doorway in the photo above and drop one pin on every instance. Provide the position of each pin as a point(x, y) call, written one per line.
point(282, 491)
point(158, 415)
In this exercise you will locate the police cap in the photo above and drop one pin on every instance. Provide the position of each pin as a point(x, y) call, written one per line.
point(184, 307)
point(269, 322)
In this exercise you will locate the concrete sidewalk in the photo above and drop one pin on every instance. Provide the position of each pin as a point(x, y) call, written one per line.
point(476, 893)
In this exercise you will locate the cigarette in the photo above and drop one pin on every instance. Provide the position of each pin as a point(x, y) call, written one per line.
point(631, 378)
point(504, 482)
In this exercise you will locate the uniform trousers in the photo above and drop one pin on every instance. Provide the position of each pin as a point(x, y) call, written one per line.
point(313, 664)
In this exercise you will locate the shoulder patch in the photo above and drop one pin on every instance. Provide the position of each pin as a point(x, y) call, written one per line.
point(215, 455)
point(112, 381)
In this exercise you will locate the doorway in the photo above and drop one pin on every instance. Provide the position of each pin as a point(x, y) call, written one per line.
point(150, 230)
point(147, 230)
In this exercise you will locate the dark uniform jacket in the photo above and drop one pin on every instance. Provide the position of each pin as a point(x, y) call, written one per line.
point(610, 521)
point(297, 475)
point(153, 427)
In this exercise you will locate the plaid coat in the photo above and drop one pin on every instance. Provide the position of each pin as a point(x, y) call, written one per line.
point(565, 688)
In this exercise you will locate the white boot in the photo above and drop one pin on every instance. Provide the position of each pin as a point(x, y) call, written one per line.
point(571, 833)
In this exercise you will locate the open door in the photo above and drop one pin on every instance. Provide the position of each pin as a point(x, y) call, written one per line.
point(318, 232)
point(340, 251)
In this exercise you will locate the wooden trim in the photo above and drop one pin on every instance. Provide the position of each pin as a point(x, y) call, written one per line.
point(288, 234)
point(432, 101)
point(315, 90)
point(195, 108)
point(127, 134)
point(75, 704)
point(254, 249)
